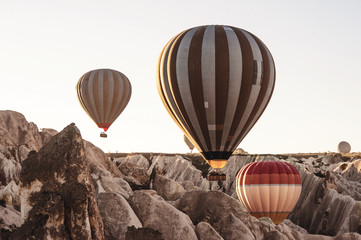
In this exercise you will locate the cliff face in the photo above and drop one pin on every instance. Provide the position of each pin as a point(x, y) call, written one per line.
point(57, 196)
point(58, 186)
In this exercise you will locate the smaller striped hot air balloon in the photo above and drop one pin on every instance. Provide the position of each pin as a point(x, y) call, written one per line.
point(269, 189)
point(104, 94)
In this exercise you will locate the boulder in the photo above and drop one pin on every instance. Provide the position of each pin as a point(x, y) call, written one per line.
point(99, 161)
point(136, 159)
point(330, 158)
point(117, 215)
point(167, 188)
point(136, 176)
point(10, 220)
point(345, 236)
point(233, 228)
point(157, 214)
point(205, 231)
point(224, 213)
point(109, 184)
point(178, 169)
point(274, 235)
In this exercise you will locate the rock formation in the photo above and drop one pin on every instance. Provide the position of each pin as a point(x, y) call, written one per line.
point(155, 213)
point(117, 215)
point(329, 204)
point(59, 186)
point(57, 197)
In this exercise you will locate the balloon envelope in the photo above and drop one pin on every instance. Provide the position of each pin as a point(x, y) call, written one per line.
point(104, 94)
point(215, 81)
point(343, 147)
point(269, 189)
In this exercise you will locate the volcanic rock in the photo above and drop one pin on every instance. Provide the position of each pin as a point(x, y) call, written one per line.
point(10, 196)
point(178, 169)
point(167, 188)
point(9, 170)
point(142, 234)
point(157, 214)
point(117, 215)
point(98, 161)
point(350, 170)
point(224, 213)
point(57, 197)
point(205, 231)
point(136, 159)
point(17, 138)
point(137, 177)
point(67, 188)
point(324, 207)
point(16, 131)
point(10, 220)
point(107, 183)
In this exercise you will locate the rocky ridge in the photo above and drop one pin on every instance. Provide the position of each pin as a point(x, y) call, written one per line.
point(59, 186)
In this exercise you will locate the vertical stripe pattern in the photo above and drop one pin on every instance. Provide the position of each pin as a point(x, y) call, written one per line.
point(104, 94)
point(189, 143)
point(269, 188)
point(215, 81)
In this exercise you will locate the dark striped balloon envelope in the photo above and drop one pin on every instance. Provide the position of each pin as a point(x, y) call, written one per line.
point(215, 81)
point(103, 94)
point(269, 189)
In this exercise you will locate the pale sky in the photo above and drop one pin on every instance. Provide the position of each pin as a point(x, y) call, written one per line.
point(45, 47)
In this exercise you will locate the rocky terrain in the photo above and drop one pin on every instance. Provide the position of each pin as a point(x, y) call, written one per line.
point(59, 186)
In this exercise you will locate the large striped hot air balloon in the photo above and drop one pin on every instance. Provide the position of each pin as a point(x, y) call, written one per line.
point(269, 189)
point(104, 94)
point(215, 81)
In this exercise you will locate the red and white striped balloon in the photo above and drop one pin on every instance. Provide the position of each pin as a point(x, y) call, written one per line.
point(269, 189)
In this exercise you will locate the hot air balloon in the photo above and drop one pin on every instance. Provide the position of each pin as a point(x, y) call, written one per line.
point(269, 189)
point(343, 147)
point(189, 143)
point(104, 93)
point(215, 81)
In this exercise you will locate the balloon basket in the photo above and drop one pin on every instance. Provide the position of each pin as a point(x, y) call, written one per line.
point(103, 135)
point(214, 176)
